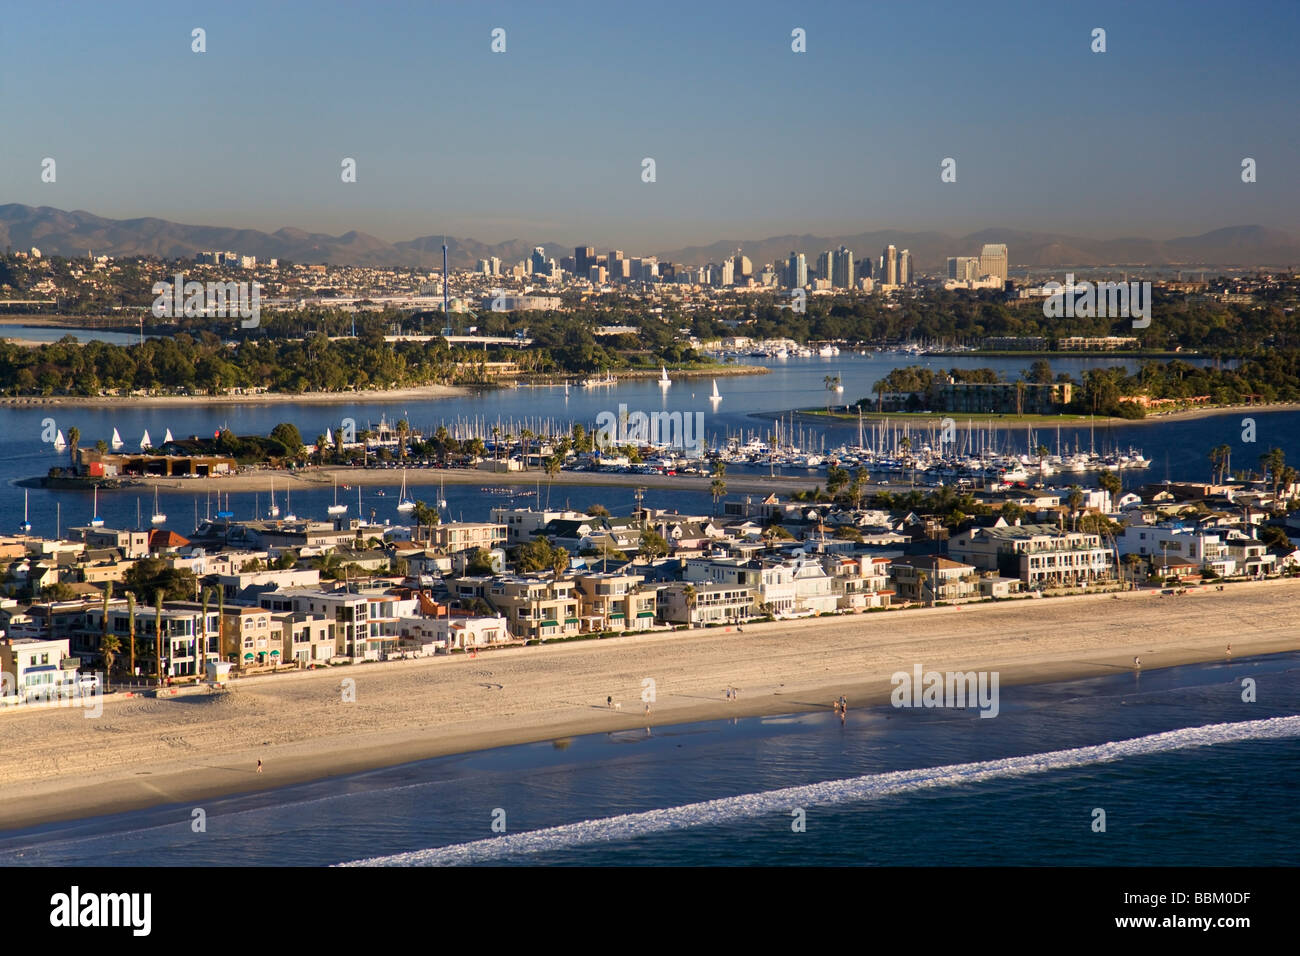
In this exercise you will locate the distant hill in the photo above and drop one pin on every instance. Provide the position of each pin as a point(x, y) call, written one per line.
point(1233, 246)
point(57, 232)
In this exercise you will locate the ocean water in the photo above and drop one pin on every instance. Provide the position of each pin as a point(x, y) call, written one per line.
point(1185, 770)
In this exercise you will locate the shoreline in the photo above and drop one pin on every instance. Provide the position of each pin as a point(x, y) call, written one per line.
point(368, 396)
point(147, 752)
point(1014, 421)
point(323, 477)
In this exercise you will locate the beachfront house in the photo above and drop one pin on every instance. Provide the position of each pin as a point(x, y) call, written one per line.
point(858, 582)
point(1041, 555)
point(35, 669)
point(615, 601)
point(426, 636)
point(929, 579)
point(536, 606)
point(306, 638)
point(698, 605)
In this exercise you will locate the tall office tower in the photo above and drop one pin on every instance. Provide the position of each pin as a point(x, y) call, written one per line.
point(905, 267)
point(796, 272)
point(842, 274)
point(743, 267)
point(952, 267)
point(584, 257)
point(484, 267)
point(993, 261)
point(889, 266)
point(825, 265)
point(537, 261)
point(495, 263)
point(596, 274)
point(864, 269)
point(727, 275)
point(612, 260)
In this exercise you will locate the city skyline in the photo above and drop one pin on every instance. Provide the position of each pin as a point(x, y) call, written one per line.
point(527, 142)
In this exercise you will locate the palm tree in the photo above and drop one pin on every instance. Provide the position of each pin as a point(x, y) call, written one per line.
point(690, 594)
point(921, 578)
point(108, 596)
point(130, 623)
point(203, 628)
point(552, 466)
point(403, 429)
point(74, 439)
point(1216, 462)
point(831, 382)
point(717, 488)
point(1132, 560)
point(525, 435)
point(158, 641)
point(1076, 501)
point(320, 449)
point(1111, 483)
point(109, 647)
point(424, 517)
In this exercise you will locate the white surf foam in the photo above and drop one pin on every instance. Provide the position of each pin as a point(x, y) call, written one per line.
point(829, 793)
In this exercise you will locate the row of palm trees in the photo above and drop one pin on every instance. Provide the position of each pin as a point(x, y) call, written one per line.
point(1272, 465)
point(111, 645)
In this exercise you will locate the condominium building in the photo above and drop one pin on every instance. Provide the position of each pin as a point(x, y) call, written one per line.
point(1040, 555)
point(615, 601)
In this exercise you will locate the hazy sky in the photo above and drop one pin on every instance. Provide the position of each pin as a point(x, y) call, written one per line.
point(750, 139)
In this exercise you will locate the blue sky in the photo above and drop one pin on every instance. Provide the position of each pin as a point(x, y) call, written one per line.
point(545, 141)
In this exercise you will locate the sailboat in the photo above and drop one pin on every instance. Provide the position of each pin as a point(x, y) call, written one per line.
point(274, 510)
point(288, 508)
point(442, 501)
point(26, 526)
point(116, 443)
point(95, 520)
point(664, 380)
point(404, 504)
point(145, 441)
point(715, 397)
point(336, 508)
point(158, 516)
point(167, 439)
point(60, 443)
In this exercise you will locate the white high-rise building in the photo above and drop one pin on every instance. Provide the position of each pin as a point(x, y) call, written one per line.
point(889, 266)
point(797, 271)
point(842, 273)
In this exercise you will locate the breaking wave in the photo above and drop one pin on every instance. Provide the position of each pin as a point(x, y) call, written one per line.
point(728, 810)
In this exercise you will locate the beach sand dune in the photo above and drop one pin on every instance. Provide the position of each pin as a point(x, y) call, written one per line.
point(143, 751)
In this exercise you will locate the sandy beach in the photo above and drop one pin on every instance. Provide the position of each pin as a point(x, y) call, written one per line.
point(142, 751)
point(533, 479)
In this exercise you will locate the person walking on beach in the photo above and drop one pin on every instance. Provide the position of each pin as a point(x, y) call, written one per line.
point(647, 710)
point(259, 766)
point(1137, 662)
point(609, 702)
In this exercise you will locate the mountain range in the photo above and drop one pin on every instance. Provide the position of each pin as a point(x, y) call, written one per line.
point(64, 233)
